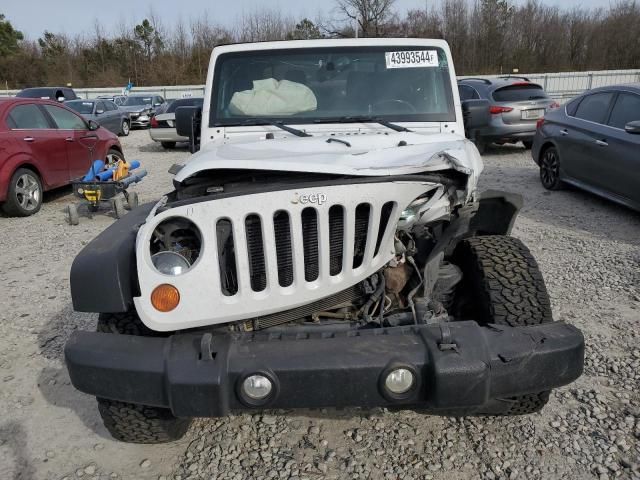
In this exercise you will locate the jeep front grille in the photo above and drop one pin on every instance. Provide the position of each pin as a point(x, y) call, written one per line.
point(311, 230)
point(275, 251)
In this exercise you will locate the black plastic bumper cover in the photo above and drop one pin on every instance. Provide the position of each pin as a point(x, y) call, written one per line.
point(469, 370)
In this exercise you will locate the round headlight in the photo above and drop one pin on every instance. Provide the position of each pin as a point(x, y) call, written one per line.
point(399, 381)
point(257, 387)
point(170, 263)
point(175, 246)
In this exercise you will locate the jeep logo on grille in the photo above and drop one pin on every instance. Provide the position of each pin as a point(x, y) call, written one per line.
point(304, 199)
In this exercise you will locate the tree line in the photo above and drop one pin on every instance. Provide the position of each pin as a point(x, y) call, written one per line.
point(486, 37)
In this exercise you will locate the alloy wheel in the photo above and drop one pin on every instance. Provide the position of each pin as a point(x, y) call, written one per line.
point(125, 128)
point(113, 157)
point(28, 192)
point(549, 168)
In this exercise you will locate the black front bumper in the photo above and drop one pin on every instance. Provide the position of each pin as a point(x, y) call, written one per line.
point(460, 367)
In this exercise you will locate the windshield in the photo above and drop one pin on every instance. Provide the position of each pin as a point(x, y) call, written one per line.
point(519, 92)
point(81, 107)
point(325, 84)
point(137, 101)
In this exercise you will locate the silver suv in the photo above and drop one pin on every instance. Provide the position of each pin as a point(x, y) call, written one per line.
point(515, 105)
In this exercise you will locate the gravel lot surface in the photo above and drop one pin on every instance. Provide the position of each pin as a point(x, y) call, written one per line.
point(588, 249)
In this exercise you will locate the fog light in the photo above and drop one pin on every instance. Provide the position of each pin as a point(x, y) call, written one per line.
point(257, 387)
point(399, 381)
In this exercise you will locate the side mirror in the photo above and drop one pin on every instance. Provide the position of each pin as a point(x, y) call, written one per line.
point(475, 114)
point(60, 99)
point(633, 127)
point(99, 112)
point(188, 120)
point(93, 125)
point(157, 104)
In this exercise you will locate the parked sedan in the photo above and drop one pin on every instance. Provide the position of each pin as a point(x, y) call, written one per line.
point(59, 94)
point(45, 145)
point(594, 144)
point(515, 104)
point(163, 125)
point(141, 108)
point(105, 113)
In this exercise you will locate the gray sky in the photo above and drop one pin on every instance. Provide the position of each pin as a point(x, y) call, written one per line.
point(32, 17)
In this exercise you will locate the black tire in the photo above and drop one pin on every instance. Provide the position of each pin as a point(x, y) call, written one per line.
point(528, 144)
point(168, 145)
point(125, 324)
point(118, 207)
point(24, 196)
point(502, 284)
point(132, 423)
point(128, 422)
point(125, 128)
point(481, 145)
point(132, 200)
point(72, 214)
point(550, 169)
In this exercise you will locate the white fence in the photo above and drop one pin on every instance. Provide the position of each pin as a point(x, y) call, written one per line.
point(565, 85)
point(560, 86)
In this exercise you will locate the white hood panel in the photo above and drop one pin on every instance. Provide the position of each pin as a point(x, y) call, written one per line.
point(374, 154)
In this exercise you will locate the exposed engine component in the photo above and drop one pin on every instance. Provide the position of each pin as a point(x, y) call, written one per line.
point(396, 279)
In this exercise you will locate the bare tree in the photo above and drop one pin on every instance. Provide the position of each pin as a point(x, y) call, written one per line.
point(371, 15)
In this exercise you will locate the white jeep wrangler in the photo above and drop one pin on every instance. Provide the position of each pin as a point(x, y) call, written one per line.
point(326, 246)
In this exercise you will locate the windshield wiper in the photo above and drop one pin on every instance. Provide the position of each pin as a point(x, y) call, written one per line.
point(279, 124)
point(364, 119)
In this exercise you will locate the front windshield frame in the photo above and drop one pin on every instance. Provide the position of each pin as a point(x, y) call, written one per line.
point(138, 104)
point(215, 120)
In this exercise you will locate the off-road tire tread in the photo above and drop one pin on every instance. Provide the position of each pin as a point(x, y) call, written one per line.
point(141, 424)
point(508, 283)
point(126, 324)
point(526, 404)
point(509, 290)
point(129, 422)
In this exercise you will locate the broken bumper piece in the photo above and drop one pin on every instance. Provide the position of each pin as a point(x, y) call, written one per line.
point(457, 367)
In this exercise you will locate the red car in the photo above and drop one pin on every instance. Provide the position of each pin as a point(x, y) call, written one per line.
point(44, 145)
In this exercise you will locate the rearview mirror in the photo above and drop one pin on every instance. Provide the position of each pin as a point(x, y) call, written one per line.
point(633, 127)
point(475, 114)
point(188, 121)
point(93, 125)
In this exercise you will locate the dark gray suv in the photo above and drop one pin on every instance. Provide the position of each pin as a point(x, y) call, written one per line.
point(515, 105)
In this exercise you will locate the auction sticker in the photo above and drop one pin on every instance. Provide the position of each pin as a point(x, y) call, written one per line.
point(411, 58)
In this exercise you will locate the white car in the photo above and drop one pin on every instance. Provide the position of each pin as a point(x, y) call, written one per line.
point(163, 125)
point(325, 247)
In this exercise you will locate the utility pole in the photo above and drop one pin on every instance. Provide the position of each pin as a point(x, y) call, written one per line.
point(356, 22)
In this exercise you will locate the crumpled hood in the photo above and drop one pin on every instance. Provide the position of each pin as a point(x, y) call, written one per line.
point(393, 153)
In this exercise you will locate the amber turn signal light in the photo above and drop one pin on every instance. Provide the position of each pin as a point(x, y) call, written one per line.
point(165, 297)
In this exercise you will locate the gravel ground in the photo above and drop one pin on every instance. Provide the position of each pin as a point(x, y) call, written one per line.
point(588, 250)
